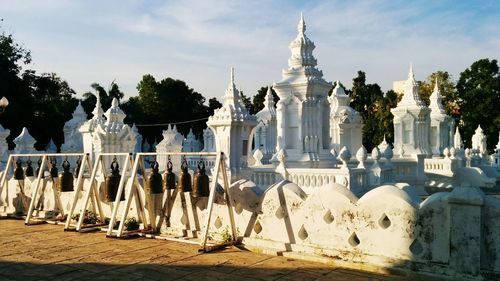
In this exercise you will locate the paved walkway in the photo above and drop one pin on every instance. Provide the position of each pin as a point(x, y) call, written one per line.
point(46, 252)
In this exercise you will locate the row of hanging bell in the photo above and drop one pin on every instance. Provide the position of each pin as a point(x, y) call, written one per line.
point(112, 182)
point(19, 173)
point(65, 179)
point(155, 181)
point(199, 187)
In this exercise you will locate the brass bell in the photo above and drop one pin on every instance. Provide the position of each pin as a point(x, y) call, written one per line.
point(201, 182)
point(78, 165)
point(66, 178)
point(39, 167)
point(155, 182)
point(29, 169)
point(18, 171)
point(112, 183)
point(53, 168)
point(184, 183)
point(169, 176)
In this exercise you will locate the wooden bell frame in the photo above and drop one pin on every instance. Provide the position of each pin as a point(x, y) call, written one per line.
point(92, 194)
point(45, 157)
point(151, 228)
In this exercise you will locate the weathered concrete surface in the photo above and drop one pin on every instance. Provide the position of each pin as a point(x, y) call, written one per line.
point(46, 252)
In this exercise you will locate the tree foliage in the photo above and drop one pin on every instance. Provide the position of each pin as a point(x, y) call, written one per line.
point(478, 92)
point(374, 107)
point(42, 103)
point(90, 99)
point(167, 101)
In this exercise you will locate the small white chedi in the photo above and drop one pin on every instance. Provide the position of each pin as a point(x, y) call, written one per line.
point(232, 125)
point(303, 111)
point(266, 131)
point(106, 132)
point(24, 142)
point(411, 120)
point(72, 136)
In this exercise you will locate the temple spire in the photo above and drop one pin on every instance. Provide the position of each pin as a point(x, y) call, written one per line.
point(301, 27)
point(269, 100)
point(411, 75)
point(231, 82)
point(436, 104)
point(410, 95)
point(98, 112)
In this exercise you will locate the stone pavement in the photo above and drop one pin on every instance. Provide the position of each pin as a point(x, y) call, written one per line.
point(46, 252)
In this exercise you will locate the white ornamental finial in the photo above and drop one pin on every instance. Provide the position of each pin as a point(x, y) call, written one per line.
point(97, 112)
point(269, 100)
point(411, 75)
point(436, 87)
point(302, 24)
point(232, 76)
point(457, 139)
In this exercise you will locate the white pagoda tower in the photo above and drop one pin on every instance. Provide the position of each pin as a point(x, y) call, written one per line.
point(303, 111)
point(87, 129)
point(441, 133)
point(232, 125)
point(114, 135)
point(346, 124)
point(411, 121)
point(72, 136)
point(265, 133)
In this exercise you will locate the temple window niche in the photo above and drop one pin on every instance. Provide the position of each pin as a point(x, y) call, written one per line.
point(292, 122)
point(407, 131)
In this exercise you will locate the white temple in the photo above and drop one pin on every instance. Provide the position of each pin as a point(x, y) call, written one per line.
point(107, 134)
point(232, 125)
point(346, 124)
point(441, 133)
point(411, 121)
point(72, 136)
point(190, 143)
point(171, 142)
point(303, 111)
point(25, 143)
point(479, 140)
point(266, 131)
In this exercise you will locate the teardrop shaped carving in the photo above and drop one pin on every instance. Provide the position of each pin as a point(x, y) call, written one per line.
point(257, 227)
point(184, 219)
point(354, 240)
point(416, 248)
point(280, 213)
point(303, 233)
point(328, 217)
point(384, 221)
point(238, 208)
point(218, 223)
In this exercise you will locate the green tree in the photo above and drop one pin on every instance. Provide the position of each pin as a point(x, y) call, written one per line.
point(247, 103)
point(478, 92)
point(366, 99)
point(260, 97)
point(213, 104)
point(12, 59)
point(90, 99)
point(53, 103)
point(167, 101)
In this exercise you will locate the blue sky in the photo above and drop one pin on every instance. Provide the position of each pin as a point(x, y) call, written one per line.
point(198, 41)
